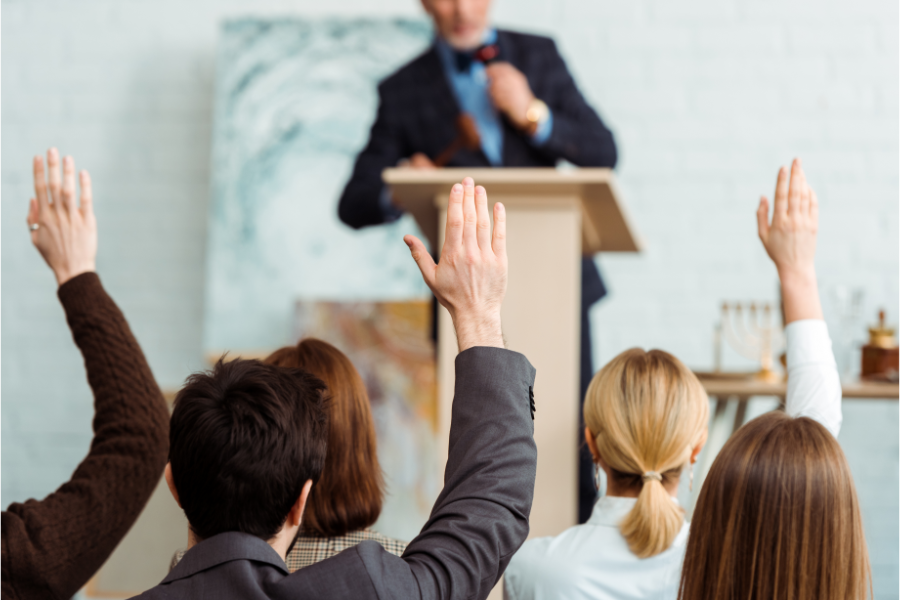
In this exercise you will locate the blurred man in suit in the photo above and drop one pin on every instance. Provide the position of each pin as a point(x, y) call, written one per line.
point(528, 112)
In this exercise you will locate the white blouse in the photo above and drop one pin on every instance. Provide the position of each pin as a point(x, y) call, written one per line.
point(593, 561)
point(814, 386)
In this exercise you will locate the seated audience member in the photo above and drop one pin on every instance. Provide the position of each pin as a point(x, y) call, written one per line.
point(248, 442)
point(646, 416)
point(53, 546)
point(778, 515)
point(348, 496)
point(350, 492)
point(646, 413)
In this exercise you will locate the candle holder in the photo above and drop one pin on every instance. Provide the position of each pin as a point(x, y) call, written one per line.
point(751, 332)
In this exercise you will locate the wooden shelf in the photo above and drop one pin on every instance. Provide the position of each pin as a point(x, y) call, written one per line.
point(743, 387)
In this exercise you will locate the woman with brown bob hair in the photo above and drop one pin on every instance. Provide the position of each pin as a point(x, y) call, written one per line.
point(778, 517)
point(347, 499)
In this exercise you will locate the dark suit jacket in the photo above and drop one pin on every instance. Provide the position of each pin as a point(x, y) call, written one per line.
point(417, 113)
point(479, 520)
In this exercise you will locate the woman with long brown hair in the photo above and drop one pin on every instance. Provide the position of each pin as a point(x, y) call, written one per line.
point(778, 516)
point(347, 499)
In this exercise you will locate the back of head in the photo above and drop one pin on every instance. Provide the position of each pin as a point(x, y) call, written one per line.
point(647, 412)
point(777, 518)
point(350, 493)
point(244, 439)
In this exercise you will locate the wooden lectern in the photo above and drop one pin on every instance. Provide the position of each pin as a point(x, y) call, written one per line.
point(553, 217)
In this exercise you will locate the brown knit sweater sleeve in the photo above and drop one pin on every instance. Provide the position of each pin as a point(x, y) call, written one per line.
point(53, 546)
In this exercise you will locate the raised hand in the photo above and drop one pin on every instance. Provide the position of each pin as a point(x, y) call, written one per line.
point(790, 241)
point(470, 278)
point(63, 232)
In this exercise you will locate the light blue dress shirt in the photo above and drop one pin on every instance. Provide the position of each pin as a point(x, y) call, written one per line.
point(471, 91)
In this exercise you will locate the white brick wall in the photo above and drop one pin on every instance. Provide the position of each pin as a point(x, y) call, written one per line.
point(706, 97)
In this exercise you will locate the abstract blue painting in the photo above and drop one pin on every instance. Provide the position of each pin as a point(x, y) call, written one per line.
point(294, 100)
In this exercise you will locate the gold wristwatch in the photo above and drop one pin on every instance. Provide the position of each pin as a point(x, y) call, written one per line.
point(536, 114)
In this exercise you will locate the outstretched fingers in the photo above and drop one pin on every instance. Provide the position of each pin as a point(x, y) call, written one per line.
point(470, 216)
point(453, 233)
point(484, 219)
point(762, 219)
point(65, 236)
point(781, 197)
point(54, 176)
point(68, 184)
point(40, 183)
point(87, 193)
point(797, 189)
point(805, 195)
point(498, 243)
point(423, 259)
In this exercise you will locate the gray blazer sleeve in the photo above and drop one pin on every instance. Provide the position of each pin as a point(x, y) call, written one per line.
point(481, 517)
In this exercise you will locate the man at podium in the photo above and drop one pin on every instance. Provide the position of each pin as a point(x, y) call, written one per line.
point(483, 97)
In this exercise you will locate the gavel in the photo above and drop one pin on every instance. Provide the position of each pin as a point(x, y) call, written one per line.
point(466, 137)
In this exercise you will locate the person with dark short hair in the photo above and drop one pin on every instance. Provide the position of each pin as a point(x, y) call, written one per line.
point(273, 421)
point(52, 547)
point(350, 491)
point(249, 442)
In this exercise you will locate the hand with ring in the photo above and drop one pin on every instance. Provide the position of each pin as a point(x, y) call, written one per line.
point(64, 232)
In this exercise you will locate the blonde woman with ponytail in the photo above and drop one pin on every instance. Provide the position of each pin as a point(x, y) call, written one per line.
point(646, 416)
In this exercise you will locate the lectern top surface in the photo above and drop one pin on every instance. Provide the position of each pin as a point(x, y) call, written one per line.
point(606, 226)
point(547, 175)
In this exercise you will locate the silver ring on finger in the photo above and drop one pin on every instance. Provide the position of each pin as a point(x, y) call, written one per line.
point(34, 226)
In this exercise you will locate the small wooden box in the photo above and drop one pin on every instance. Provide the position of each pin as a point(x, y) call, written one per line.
point(880, 363)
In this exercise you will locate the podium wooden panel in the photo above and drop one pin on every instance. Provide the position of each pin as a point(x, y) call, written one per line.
point(552, 216)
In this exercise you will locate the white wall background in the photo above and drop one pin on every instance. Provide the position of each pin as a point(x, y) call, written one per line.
point(706, 97)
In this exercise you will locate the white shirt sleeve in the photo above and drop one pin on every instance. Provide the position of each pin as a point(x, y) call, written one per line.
point(814, 387)
point(519, 582)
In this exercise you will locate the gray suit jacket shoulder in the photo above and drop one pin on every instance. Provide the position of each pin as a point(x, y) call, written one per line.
point(479, 520)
